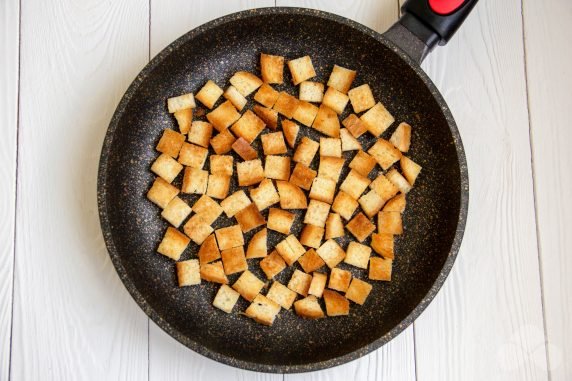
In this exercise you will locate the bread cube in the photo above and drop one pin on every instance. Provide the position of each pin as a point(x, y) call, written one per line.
point(222, 143)
point(323, 189)
point(361, 227)
point(317, 213)
point(273, 143)
point(330, 167)
point(363, 163)
point(311, 236)
point(208, 208)
point(269, 116)
point(209, 94)
point(181, 102)
point(249, 126)
point(263, 310)
point(311, 261)
point(345, 205)
point(380, 268)
point(371, 203)
point(245, 82)
point(218, 186)
point(349, 143)
point(265, 195)
point(235, 203)
point(286, 104)
point(266, 95)
point(361, 98)
point(339, 279)
point(377, 119)
point(302, 176)
point(195, 181)
point(193, 156)
point(357, 255)
point(309, 308)
point(213, 272)
point(272, 265)
point(354, 184)
point(358, 291)
point(301, 69)
point(272, 68)
point(401, 137)
point(277, 167)
point(331, 253)
point(257, 247)
point(188, 272)
point(305, 113)
point(209, 251)
point(335, 100)
point(249, 172)
point(318, 284)
point(237, 99)
point(184, 119)
point(280, 220)
point(223, 116)
point(300, 282)
point(341, 78)
point(166, 167)
point(398, 180)
point(161, 193)
point(306, 151)
point(290, 249)
point(197, 229)
point(330, 147)
point(382, 244)
point(225, 299)
point(410, 169)
point(221, 165)
point(281, 295)
point(383, 187)
point(334, 226)
point(336, 304)
point(170, 143)
point(248, 285)
point(229, 237)
point(311, 92)
point(291, 196)
point(396, 204)
point(327, 122)
point(249, 218)
point(173, 244)
point(354, 125)
point(291, 130)
point(176, 212)
point(200, 133)
point(244, 149)
point(384, 153)
point(389, 222)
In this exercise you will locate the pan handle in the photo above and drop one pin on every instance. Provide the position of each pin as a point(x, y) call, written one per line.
point(426, 23)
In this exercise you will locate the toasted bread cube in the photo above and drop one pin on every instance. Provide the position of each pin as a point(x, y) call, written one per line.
point(309, 308)
point(380, 268)
point(323, 189)
point(166, 167)
point(218, 186)
point(401, 137)
point(257, 247)
point(237, 99)
point(334, 226)
point(354, 125)
point(384, 153)
point(357, 255)
point(349, 143)
point(383, 187)
point(301, 69)
point(311, 261)
point(389, 222)
point(245, 82)
point(371, 203)
point(291, 196)
point(336, 304)
point(195, 181)
point(311, 92)
point(300, 282)
point(306, 151)
point(209, 94)
point(235, 203)
point(327, 122)
point(280, 220)
point(331, 253)
point(302, 176)
point(330, 167)
point(208, 208)
point(249, 126)
point(272, 265)
point(244, 149)
point(358, 291)
point(317, 213)
point(248, 285)
point(281, 295)
point(265, 195)
point(188, 272)
point(184, 119)
point(170, 143)
point(345, 205)
point(161, 193)
point(410, 169)
point(382, 244)
point(377, 119)
point(354, 184)
point(225, 298)
point(360, 226)
point(249, 172)
point(273, 143)
point(339, 279)
point(176, 212)
point(311, 236)
point(229, 237)
point(361, 98)
point(213, 272)
point(363, 163)
point(396, 204)
point(263, 310)
point(249, 218)
point(305, 113)
point(277, 167)
point(223, 116)
point(173, 244)
point(200, 133)
point(286, 104)
point(266, 95)
point(335, 100)
point(398, 180)
point(193, 156)
point(222, 143)
point(330, 147)
point(268, 116)
point(341, 78)
point(209, 251)
point(181, 102)
point(272, 68)
point(197, 229)
point(291, 130)
point(318, 284)
point(221, 164)
point(290, 249)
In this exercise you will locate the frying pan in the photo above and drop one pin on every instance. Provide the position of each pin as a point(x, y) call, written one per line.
point(434, 220)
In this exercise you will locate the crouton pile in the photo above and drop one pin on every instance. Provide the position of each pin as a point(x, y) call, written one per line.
point(366, 204)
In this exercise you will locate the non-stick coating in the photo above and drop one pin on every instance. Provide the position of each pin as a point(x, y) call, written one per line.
point(433, 221)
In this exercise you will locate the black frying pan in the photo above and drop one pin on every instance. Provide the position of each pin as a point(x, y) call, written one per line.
point(434, 220)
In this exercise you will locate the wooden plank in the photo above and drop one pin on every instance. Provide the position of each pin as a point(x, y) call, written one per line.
point(548, 50)
point(9, 39)
point(73, 318)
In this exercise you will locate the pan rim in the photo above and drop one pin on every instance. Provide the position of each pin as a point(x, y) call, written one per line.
point(201, 349)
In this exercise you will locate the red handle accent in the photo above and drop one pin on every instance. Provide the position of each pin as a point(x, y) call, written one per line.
point(445, 7)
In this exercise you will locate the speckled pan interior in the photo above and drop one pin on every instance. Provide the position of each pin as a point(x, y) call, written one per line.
point(434, 219)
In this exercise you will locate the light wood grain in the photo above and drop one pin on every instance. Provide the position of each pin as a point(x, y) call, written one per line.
point(548, 51)
point(9, 39)
point(73, 318)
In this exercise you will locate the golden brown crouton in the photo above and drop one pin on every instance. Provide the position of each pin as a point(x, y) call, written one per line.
point(286, 104)
point(383, 187)
point(330, 147)
point(306, 151)
point(223, 116)
point(170, 143)
point(349, 143)
point(341, 78)
point(327, 122)
point(208, 208)
point(272, 265)
point(398, 180)
point(360, 226)
point(311, 91)
point(257, 247)
point(233, 260)
point(235, 203)
point(265, 195)
point(311, 236)
point(357, 255)
point(331, 253)
point(181, 102)
point(269, 116)
point(277, 167)
point(345, 205)
point(290, 249)
point(302, 176)
point(361, 98)
point(161, 193)
point(301, 69)
point(249, 172)
point(213, 272)
point(311, 261)
point(323, 189)
point(362, 163)
point(225, 298)
point(173, 244)
point(197, 229)
point(371, 203)
point(248, 285)
point(300, 282)
point(334, 226)
point(244, 149)
point(384, 153)
point(358, 291)
point(382, 244)
point(354, 184)
point(237, 99)
point(291, 196)
point(249, 218)
point(273, 143)
point(335, 100)
point(193, 156)
point(354, 125)
point(318, 284)
point(222, 143)
point(184, 119)
point(336, 304)
point(410, 169)
point(176, 212)
point(221, 164)
point(317, 213)
point(200, 133)
point(401, 137)
point(389, 222)
point(339, 279)
point(305, 113)
point(281, 295)
point(245, 82)
point(330, 167)
point(309, 308)
point(377, 119)
point(209, 251)
point(263, 310)
point(272, 68)
point(396, 204)
point(280, 220)
point(249, 126)
point(209, 94)
point(380, 268)
point(229, 237)
point(291, 130)
point(266, 95)
point(218, 186)
point(188, 273)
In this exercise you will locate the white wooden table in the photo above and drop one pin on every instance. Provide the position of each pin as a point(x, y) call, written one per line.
point(503, 314)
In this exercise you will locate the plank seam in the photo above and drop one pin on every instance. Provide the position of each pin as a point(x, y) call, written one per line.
point(414, 354)
point(148, 319)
